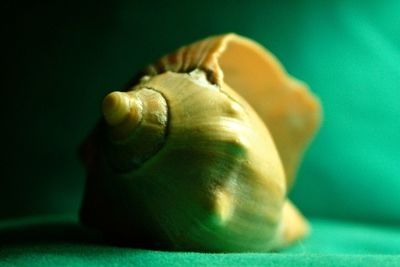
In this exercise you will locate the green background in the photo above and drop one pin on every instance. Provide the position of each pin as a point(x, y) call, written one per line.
point(68, 55)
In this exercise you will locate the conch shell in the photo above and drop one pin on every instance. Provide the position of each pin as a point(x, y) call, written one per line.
point(200, 153)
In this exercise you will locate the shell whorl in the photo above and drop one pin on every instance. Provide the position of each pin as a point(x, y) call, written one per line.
point(286, 106)
point(136, 126)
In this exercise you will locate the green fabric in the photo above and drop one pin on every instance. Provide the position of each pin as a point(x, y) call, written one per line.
point(60, 241)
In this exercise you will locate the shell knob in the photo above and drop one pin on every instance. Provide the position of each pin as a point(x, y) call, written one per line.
point(136, 124)
point(117, 106)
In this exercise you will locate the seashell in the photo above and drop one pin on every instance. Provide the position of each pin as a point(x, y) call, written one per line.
point(199, 154)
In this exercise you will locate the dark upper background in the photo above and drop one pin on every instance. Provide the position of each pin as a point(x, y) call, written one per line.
point(68, 54)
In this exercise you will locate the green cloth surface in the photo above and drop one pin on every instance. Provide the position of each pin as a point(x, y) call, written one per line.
point(60, 241)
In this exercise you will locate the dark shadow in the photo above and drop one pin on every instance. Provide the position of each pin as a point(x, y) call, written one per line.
point(61, 240)
point(49, 233)
point(64, 237)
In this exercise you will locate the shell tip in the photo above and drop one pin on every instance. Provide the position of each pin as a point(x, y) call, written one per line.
point(116, 107)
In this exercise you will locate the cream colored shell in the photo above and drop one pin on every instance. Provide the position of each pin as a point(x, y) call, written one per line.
point(289, 110)
point(200, 153)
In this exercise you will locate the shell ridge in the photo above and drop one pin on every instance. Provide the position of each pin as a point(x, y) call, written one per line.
point(203, 55)
point(211, 60)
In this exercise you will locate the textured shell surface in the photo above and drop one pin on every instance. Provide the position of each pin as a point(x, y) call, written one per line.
point(200, 153)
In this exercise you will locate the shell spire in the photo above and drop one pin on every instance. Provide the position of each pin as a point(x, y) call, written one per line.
point(136, 123)
point(117, 106)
